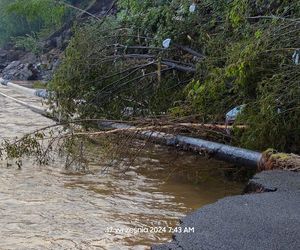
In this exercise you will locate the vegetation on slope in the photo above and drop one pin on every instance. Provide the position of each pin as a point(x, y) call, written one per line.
point(224, 54)
point(25, 23)
point(221, 55)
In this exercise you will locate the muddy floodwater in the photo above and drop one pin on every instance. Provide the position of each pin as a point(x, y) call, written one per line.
point(50, 208)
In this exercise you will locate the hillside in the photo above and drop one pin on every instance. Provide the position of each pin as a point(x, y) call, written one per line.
point(184, 60)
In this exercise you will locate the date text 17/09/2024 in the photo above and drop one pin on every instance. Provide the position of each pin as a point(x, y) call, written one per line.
point(150, 230)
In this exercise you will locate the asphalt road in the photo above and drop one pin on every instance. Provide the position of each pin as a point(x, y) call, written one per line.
point(267, 221)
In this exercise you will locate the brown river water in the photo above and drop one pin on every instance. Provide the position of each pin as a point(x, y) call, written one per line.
point(50, 208)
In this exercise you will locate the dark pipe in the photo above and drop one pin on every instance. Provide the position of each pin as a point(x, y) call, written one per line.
point(235, 155)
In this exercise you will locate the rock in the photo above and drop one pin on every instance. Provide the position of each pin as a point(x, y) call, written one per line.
point(59, 42)
point(13, 65)
point(31, 67)
point(29, 58)
point(46, 75)
point(3, 56)
point(56, 64)
point(49, 62)
point(7, 56)
point(49, 44)
point(10, 55)
point(17, 70)
point(2, 66)
point(21, 65)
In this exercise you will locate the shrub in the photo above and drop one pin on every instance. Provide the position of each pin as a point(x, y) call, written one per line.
point(247, 49)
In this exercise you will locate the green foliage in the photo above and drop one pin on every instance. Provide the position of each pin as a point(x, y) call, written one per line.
point(44, 145)
point(39, 85)
point(255, 67)
point(212, 91)
point(8, 23)
point(28, 146)
point(28, 42)
point(38, 12)
point(21, 19)
point(247, 47)
point(96, 79)
point(237, 13)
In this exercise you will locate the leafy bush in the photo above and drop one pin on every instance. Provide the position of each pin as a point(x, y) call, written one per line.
point(28, 42)
point(19, 18)
point(101, 77)
point(255, 68)
point(247, 49)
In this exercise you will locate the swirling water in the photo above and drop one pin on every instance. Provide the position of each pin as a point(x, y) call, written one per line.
point(50, 208)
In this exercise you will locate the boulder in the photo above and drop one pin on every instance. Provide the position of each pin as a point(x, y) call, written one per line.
point(17, 70)
point(7, 56)
point(59, 42)
point(30, 58)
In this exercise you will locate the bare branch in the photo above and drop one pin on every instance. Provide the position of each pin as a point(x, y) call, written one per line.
point(275, 17)
point(179, 67)
point(78, 9)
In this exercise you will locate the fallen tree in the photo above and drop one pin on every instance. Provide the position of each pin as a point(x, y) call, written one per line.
point(69, 136)
point(267, 160)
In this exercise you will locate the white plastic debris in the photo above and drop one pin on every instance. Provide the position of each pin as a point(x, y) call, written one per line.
point(166, 43)
point(296, 57)
point(232, 114)
point(192, 8)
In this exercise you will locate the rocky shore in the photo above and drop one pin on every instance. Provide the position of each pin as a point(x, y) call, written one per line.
point(20, 65)
point(267, 217)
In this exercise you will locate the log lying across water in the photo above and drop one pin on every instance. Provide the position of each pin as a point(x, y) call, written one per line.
point(234, 155)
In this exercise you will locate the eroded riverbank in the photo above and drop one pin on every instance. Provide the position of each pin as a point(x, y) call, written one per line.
point(267, 220)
